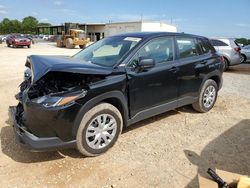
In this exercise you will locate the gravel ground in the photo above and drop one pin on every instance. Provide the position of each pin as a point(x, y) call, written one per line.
point(164, 151)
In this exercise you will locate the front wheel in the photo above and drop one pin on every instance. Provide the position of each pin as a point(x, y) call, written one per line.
point(70, 43)
point(99, 129)
point(207, 97)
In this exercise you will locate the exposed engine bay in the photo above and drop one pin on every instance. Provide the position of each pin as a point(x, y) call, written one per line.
point(59, 83)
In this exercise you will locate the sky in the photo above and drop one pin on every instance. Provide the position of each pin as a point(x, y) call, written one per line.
point(210, 18)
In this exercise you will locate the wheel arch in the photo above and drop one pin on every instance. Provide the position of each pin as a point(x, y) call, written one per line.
point(116, 98)
point(216, 76)
point(245, 57)
point(227, 59)
point(217, 79)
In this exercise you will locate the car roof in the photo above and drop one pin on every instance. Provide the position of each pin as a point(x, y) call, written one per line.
point(155, 34)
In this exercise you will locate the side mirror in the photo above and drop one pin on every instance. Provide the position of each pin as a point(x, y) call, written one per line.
point(146, 63)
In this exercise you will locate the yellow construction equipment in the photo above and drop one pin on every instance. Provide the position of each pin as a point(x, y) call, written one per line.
point(72, 36)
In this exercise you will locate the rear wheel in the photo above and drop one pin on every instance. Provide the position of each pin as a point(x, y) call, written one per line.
point(99, 129)
point(207, 97)
point(226, 63)
point(69, 43)
point(243, 58)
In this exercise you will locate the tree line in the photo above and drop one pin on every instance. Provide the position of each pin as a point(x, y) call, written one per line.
point(28, 25)
point(243, 41)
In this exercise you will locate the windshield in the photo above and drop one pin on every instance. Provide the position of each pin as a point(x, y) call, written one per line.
point(107, 52)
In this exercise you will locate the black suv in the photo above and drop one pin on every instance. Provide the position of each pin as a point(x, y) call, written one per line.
point(84, 101)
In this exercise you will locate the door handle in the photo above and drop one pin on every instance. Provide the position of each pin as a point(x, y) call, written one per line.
point(173, 69)
point(204, 62)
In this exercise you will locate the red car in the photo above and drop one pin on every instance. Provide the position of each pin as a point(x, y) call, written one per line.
point(16, 41)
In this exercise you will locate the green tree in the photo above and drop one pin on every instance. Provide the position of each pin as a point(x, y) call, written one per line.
point(243, 41)
point(15, 26)
point(29, 25)
point(5, 23)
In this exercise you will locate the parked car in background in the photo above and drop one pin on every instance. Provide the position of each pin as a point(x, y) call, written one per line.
point(85, 101)
point(229, 49)
point(31, 37)
point(52, 38)
point(45, 37)
point(9, 40)
point(18, 40)
point(3, 38)
point(245, 53)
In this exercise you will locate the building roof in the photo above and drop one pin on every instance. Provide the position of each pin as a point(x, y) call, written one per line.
point(139, 21)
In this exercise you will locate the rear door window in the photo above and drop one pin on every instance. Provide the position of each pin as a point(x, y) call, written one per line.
point(205, 46)
point(187, 47)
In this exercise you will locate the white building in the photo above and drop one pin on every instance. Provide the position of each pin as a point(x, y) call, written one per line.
point(139, 26)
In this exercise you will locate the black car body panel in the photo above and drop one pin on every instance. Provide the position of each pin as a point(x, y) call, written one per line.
point(41, 65)
point(138, 94)
point(33, 142)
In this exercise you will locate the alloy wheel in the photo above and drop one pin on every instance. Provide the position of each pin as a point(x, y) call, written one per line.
point(209, 96)
point(101, 131)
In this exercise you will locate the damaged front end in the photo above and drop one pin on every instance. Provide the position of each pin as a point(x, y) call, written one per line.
point(48, 102)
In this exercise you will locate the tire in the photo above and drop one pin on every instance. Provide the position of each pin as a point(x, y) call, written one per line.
point(207, 86)
point(90, 124)
point(28, 46)
point(82, 46)
point(69, 43)
point(227, 64)
point(244, 58)
point(59, 43)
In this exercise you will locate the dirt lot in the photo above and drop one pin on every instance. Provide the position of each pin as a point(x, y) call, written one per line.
point(164, 151)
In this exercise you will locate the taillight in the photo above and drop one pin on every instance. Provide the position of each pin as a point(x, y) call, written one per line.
point(237, 49)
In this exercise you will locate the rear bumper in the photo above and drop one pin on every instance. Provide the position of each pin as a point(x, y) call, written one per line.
point(34, 143)
point(235, 60)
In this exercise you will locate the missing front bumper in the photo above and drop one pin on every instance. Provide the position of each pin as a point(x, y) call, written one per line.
point(34, 143)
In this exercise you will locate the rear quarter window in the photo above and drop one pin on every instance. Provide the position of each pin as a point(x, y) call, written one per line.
point(217, 43)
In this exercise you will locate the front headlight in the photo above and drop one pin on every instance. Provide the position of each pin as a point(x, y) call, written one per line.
point(27, 74)
point(56, 101)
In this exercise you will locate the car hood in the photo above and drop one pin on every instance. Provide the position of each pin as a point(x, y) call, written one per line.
point(41, 65)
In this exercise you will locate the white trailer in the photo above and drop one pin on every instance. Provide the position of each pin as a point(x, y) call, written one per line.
point(140, 26)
